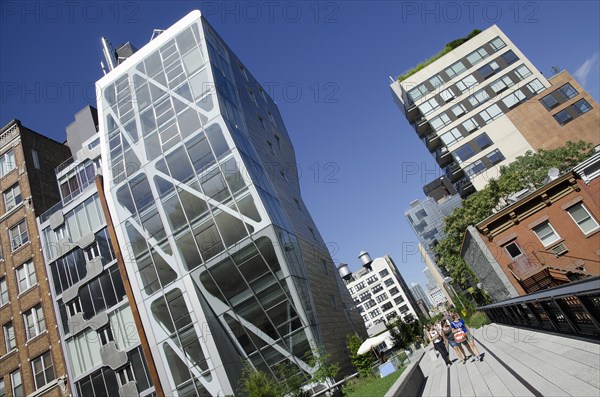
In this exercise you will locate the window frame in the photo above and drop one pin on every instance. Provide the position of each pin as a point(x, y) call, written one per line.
point(9, 340)
point(7, 162)
point(39, 323)
point(14, 386)
point(20, 235)
point(30, 281)
point(589, 216)
point(4, 296)
point(564, 121)
point(553, 230)
point(9, 195)
point(43, 359)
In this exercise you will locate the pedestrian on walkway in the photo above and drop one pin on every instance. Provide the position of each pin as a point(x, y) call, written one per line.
point(449, 335)
point(459, 325)
point(439, 344)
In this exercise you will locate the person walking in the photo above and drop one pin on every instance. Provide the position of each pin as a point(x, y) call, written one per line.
point(439, 344)
point(459, 325)
point(449, 335)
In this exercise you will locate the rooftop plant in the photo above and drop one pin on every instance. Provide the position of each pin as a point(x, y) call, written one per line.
point(449, 47)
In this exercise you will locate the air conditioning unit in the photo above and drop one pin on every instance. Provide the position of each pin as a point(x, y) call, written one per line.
point(558, 250)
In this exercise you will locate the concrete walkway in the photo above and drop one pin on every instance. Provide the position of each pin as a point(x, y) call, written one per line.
point(518, 362)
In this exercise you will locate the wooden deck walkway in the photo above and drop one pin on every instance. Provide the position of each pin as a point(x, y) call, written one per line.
point(518, 362)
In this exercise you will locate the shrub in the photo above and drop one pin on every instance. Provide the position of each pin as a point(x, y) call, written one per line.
point(478, 319)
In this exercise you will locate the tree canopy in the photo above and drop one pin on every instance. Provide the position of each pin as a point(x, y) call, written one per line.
point(529, 170)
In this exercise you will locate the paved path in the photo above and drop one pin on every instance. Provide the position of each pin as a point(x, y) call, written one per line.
point(518, 362)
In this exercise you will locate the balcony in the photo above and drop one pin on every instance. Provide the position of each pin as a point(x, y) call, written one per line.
point(412, 112)
point(421, 126)
point(453, 172)
point(465, 188)
point(443, 157)
point(433, 141)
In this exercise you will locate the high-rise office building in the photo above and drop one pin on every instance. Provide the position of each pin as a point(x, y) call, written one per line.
point(465, 106)
point(419, 294)
point(102, 343)
point(31, 360)
point(225, 262)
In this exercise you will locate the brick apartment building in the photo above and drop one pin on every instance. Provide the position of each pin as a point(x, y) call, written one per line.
point(31, 361)
point(548, 237)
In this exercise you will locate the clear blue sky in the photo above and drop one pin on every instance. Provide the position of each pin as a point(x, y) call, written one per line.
point(328, 65)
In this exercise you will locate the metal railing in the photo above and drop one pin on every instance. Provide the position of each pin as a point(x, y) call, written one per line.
point(572, 309)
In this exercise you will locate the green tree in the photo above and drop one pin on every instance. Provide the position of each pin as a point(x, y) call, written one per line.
point(363, 362)
point(527, 171)
point(325, 368)
point(404, 333)
point(256, 383)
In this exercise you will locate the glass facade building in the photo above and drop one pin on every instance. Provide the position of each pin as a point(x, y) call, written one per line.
point(225, 263)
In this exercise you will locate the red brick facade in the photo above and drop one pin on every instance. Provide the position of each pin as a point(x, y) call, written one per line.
point(569, 253)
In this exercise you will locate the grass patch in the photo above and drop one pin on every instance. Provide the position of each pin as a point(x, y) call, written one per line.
point(447, 48)
point(371, 387)
point(478, 320)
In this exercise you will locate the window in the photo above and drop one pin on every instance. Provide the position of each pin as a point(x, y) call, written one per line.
point(523, 71)
point(388, 282)
point(74, 307)
point(463, 153)
point(491, 113)
point(501, 84)
point(252, 97)
point(583, 218)
point(483, 141)
point(512, 100)
point(509, 57)
point(394, 291)
point(34, 321)
point(549, 102)
point(18, 235)
point(386, 306)
point(477, 56)
point(418, 92)
point(9, 336)
point(458, 110)
point(447, 95)
point(489, 69)
point(262, 122)
point(568, 91)
point(451, 136)
point(26, 276)
point(455, 69)
point(376, 289)
point(369, 304)
point(371, 280)
point(105, 335)
point(3, 292)
point(563, 117)
point(546, 233)
point(16, 384)
point(478, 98)
point(582, 106)
point(495, 157)
point(536, 86)
point(334, 304)
point(475, 169)
point(399, 300)
point(384, 273)
point(429, 106)
point(360, 286)
point(125, 375)
point(381, 297)
point(374, 313)
point(435, 81)
point(270, 116)
point(513, 250)
point(470, 125)
point(7, 163)
point(12, 197)
point(2, 388)
point(43, 369)
point(36, 159)
point(440, 121)
point(497, 43)
point(466, 83)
